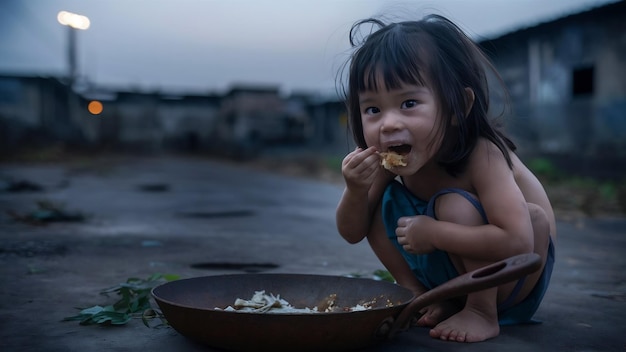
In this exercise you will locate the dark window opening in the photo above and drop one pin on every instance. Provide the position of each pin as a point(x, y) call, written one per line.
point(582, 82)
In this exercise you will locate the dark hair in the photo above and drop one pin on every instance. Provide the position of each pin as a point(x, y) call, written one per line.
point(432, 52)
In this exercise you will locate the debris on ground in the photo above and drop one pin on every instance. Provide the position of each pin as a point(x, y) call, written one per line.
point(47, 212)
point(15, 186)
point(32, 248)
point(154, 187)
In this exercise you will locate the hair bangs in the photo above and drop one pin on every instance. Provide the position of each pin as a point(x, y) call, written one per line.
point(390, 61)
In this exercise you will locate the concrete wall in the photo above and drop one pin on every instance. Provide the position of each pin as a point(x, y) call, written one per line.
point(567, 82)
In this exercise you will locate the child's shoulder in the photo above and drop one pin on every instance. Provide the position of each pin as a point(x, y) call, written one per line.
point(486, 153)
point(485, 147)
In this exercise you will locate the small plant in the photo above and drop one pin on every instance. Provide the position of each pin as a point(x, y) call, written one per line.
point(334, 163)
point(384, 275)
point(543, 167)
point(608, 190)
point(134, 302)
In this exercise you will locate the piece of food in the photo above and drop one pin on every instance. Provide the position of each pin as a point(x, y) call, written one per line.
point(390, 160)
point(268, 303)
point(327, 303)
point(265, 303)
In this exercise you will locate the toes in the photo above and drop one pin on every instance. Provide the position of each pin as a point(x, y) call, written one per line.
point(446, 333)
point(422, 322)
point(434, 333)
point(425, 320)
point(456, 335)
point(441, 332)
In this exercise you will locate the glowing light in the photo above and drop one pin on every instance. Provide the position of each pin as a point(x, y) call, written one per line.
point(95, 107)
point(73, 20)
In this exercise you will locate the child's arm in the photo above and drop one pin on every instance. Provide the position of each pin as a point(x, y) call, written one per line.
point(509, 231)
point(365, 184)
point(390, 257)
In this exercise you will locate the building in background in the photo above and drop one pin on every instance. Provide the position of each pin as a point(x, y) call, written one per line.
point(566, 79)
point(567, 84)
point(252, 117)
point(34, 113)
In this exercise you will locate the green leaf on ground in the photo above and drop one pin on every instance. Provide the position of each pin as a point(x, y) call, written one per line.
point(134, 303)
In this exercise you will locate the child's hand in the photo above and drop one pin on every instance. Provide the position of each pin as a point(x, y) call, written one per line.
point(360, 167)
point(413, 233)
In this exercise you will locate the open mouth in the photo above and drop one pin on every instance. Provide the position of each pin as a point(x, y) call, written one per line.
point(402, 149)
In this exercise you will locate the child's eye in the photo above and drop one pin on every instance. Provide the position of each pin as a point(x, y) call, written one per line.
point(409, 104)
point(371, 110)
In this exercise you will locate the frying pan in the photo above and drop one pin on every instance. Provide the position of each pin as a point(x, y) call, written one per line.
point(189, 307)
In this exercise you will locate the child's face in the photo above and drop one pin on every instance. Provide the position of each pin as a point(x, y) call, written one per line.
point(403, 120)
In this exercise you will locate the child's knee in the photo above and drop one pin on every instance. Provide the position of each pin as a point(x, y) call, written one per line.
point(453, 207)
point(540, 222)
point(538, 215)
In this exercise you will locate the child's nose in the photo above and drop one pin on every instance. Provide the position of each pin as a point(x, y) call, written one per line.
point(390, 122)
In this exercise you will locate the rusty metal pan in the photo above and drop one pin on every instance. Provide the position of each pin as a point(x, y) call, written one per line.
point(189, 305)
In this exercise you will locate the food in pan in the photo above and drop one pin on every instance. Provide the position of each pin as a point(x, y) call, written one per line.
point(265, 303)
point(270, 303)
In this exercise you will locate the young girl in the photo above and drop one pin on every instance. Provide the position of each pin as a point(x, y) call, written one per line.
point(461, 198)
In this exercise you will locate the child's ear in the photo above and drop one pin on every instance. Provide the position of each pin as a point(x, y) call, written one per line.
point(469, 100)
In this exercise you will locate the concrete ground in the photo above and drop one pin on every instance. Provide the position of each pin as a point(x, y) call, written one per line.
point(163, 215)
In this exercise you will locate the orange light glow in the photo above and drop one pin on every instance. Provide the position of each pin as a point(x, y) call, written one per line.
point(95, 107)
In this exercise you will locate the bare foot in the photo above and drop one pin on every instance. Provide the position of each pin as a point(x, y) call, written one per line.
point(468, 325)
point(436, 313)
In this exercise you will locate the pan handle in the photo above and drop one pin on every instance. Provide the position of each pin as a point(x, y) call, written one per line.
point(492, 275)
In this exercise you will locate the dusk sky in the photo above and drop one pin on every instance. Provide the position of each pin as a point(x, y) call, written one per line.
point(209, 45)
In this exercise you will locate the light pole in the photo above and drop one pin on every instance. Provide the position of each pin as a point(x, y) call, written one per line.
point(73, 22)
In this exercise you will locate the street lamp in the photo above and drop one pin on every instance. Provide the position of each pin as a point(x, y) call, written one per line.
point(73, 22)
